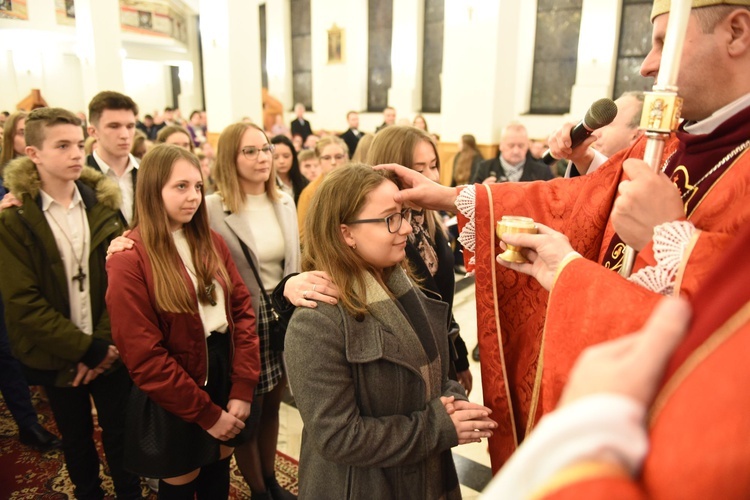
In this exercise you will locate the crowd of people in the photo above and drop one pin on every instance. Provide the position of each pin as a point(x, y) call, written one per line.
point(181, 287)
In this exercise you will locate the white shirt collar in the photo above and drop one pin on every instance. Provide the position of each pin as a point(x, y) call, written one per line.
point(47, 200)
point(711, 123)
point(132, 163)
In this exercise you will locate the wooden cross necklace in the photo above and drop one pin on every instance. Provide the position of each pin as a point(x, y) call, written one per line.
point(81, 276)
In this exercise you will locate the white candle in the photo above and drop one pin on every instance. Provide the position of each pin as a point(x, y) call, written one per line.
point(679, 15)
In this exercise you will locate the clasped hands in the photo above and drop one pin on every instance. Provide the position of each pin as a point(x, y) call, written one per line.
point(84, 374)
point(472, 421)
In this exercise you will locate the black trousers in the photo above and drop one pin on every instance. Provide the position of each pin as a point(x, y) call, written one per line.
point(13, 385)
point(71, 407)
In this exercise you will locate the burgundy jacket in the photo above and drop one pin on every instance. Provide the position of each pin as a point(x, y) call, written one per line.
point(166, 353)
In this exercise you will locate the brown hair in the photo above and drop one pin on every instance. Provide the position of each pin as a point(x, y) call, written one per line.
point(9, 134)
point(170, 287)
point(39, 119)
point(396, 144)
point(339, 198)
point(225, 167)
point(109, 100)
point(169, 130)
point(462, 170)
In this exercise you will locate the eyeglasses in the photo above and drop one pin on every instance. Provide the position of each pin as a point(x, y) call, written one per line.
point(251, 152)
point(330, 157)
point(393, 221)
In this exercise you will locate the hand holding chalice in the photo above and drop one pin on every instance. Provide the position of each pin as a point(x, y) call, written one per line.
point(512, 224)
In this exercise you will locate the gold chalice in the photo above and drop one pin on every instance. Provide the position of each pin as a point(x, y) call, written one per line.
point(514, 224)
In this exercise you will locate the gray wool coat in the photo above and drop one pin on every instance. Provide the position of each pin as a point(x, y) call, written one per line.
point(369, 392)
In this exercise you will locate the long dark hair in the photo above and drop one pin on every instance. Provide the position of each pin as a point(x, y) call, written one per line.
point(298, 180)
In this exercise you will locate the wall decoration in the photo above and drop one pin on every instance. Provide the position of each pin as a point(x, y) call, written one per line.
point(65, 12)
point(14, 9)
point(335, 45)
point(157, 18)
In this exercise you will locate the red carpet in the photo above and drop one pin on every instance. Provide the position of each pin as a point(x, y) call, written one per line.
point(26, 473)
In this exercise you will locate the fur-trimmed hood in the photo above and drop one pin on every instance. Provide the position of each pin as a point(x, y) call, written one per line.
point(21, 177)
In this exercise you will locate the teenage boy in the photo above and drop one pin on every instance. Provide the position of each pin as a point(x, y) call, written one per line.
point(52, 252)
point(112, 122)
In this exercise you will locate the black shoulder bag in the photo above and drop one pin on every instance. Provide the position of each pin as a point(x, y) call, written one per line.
point(277, 324)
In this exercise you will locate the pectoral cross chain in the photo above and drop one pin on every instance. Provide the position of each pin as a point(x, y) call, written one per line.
point(80, 278)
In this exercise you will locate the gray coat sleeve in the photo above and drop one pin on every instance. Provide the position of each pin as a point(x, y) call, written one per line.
point(323, 385)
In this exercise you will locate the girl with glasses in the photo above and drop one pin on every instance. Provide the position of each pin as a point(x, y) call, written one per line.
point(332, 152)
point(370, 375)
point(183, 323)
point(259, 223)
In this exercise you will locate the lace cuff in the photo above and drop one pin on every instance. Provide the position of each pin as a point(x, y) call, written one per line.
point(466, 204)
point(670, 241)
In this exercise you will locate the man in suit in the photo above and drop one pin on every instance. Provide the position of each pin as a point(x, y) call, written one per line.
point(352, 135)
point(299, 125)
point(512, 165)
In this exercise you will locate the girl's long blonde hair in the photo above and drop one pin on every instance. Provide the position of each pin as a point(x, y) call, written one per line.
point(170, 287)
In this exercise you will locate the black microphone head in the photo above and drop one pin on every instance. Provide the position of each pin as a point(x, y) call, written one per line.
point(601, 113)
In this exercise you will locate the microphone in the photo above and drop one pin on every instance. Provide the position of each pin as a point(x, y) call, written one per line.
point(601, 113)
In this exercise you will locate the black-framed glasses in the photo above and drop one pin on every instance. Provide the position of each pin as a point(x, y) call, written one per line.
point(251, 152)
point(392, 222)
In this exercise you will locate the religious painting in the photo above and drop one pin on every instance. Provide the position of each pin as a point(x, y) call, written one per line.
point(335, 45)
point(163, 18)
point(65, 12)
point(14, 9)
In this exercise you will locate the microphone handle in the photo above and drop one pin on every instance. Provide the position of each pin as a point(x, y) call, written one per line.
point(578, 134)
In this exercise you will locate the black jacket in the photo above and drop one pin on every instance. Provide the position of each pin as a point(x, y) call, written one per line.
point(532, 171)
point(91, 162)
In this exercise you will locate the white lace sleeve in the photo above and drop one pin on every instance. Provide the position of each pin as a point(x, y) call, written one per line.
point(466, 203)
point(670, 241)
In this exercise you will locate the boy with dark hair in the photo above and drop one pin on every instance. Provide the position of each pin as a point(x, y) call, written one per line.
point(112, 123)
point(52, 252)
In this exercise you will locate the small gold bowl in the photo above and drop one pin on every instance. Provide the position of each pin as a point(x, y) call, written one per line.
point(512, 224)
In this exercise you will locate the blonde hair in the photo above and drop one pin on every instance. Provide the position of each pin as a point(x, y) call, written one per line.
point(327, 141)
point(225, 167)
point(170, 288)
point(363, 147)
point(396, 144)
point(341, 197)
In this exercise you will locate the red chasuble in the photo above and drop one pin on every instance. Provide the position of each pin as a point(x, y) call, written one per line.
point(700, 420)
point(523, 380)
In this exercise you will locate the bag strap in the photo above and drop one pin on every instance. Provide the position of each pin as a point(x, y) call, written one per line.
point(246, 251)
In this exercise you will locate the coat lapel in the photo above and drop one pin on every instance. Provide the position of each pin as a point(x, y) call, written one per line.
point(242, 231)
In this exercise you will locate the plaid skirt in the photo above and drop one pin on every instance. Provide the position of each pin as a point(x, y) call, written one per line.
point(271, 362)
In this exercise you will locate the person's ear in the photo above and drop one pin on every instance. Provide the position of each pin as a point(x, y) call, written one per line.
point(33, 154)
point(738, 23)
point(347, 234)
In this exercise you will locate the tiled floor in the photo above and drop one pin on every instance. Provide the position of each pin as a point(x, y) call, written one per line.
point(472, 460)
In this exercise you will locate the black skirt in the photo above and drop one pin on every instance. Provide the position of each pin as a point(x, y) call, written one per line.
point(159, 444)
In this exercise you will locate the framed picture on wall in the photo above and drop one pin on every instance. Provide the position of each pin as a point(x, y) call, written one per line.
point(335, 45)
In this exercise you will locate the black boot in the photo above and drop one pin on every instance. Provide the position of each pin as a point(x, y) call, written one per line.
point(182, 492)
point(277, 492)
point(213, 481)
